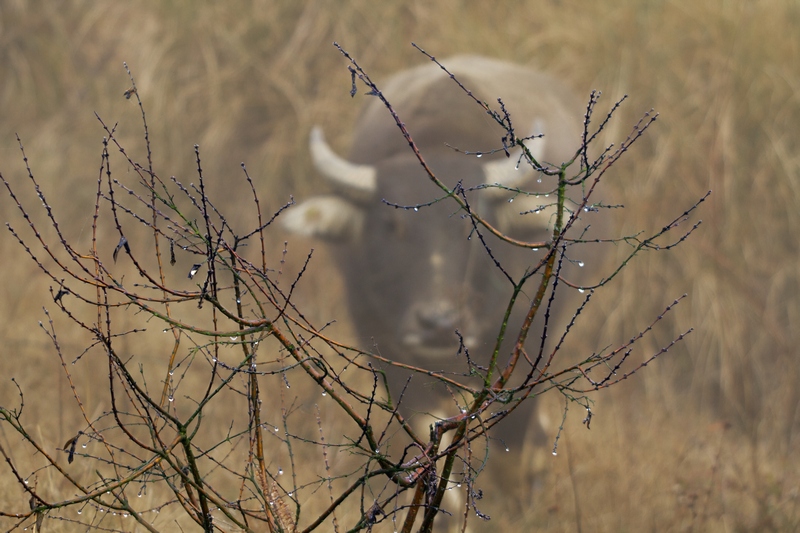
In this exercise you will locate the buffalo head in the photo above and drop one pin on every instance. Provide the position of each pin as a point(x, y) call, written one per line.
point(416, 276)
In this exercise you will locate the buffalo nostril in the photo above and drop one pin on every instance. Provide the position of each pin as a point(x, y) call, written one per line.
point(439, 316)
point(437, 328)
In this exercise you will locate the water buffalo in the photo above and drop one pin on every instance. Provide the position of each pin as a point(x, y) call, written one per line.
point(416, 276)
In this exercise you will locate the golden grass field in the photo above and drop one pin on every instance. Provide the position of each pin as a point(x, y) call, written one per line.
point(704, 439)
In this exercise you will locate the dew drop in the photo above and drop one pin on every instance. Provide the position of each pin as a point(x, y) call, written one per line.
point(535, 249)
point(517, 166)
point(280, 471)
point(171, 397)
point(324, 393)
point(507, 449)
point(416, 209)
point(580, 264)
point(80, 511)
point(510, 200)
point(479, 154)
point(238, 300)
point(539, 180)
point(276, 429)
point(171, 372)
point(290, 494)
point(555, 452)
point(581, 291)
point(84, 445)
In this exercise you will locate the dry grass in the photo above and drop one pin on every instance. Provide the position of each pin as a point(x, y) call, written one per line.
point(703, 440)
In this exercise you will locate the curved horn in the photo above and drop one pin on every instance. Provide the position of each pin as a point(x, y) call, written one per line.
point(355, 181)
point(506, 172)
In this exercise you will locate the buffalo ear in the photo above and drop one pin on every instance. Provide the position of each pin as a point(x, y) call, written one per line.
point(326, 217)
point(527, 215)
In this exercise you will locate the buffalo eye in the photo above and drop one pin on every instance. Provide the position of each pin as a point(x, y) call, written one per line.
point(392, 225)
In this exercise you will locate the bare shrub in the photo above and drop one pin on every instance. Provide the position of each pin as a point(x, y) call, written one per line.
point(205, 431)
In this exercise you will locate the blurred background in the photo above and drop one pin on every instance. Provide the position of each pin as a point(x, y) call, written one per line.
point(705, 438)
